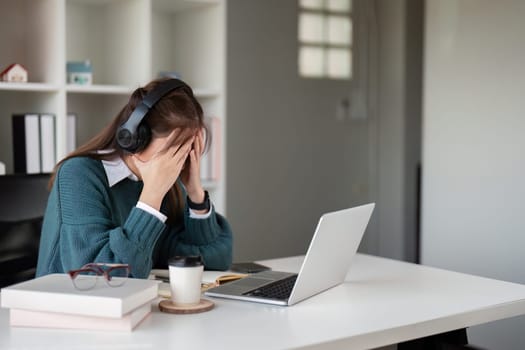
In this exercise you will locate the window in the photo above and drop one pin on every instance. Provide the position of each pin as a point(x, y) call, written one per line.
point(325, 39)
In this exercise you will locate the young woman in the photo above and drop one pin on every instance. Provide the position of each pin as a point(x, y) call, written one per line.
point(140, 207)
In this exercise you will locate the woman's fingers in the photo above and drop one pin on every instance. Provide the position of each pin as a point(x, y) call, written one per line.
point(193, 156)
point(182, 152)
point(200, 142)
point(169, 143)
point(173, 136)
point(180, 148)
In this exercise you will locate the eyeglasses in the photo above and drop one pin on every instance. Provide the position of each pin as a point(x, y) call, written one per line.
point(86, 277)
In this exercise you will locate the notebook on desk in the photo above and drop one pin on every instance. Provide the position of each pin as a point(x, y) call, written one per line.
point(325, 265)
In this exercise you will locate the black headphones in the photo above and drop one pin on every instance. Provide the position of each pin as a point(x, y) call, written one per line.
point(134, 135)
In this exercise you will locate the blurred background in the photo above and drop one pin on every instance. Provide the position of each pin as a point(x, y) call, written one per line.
point(316, 105)
point(429, 125)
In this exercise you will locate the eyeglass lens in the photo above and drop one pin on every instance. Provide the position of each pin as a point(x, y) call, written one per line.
point(117, 276)
point(85, 280)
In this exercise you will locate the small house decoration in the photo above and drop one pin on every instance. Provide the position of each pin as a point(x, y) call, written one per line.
point(14, 73)
point(79, 72)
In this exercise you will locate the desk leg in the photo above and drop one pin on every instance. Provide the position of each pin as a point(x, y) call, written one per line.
point(454, 340)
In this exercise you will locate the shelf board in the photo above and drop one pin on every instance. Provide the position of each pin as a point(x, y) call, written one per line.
point(91, 2)
point(174, 6)
point(5, 86)
point(100, 89)
point(206, 93)
point(125, 90)
point(160, 5)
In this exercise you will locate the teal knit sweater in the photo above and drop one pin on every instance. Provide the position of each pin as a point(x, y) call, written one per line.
point(88, 221)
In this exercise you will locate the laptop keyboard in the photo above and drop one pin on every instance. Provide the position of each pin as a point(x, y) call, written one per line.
point(276, 290)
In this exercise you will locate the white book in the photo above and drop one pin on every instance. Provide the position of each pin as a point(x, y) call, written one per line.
point(56, 293)
point(42, 319)
point(47, 142)
point(26, 143)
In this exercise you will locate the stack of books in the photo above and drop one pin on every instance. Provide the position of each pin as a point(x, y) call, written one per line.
point(52, 301)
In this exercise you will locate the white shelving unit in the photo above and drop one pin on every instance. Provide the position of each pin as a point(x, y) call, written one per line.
point(128, 43)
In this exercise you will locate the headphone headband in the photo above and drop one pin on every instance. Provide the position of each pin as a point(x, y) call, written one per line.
point(133, 135)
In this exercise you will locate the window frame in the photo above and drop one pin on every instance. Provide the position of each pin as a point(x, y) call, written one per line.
point(325, 45)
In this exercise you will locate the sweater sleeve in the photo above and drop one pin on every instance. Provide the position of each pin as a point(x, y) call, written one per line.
point(210, 237)
point(88, 233)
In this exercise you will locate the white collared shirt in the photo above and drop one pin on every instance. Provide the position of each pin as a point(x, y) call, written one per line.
point(117, 170)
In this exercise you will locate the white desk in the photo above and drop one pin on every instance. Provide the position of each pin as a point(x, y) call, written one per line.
point(383, 302)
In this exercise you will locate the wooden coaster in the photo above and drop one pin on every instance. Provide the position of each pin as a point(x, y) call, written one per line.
point(202, 306)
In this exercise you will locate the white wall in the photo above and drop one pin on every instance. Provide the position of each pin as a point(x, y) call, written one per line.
point(474, 159)
point(396, 33)
point(289, 159)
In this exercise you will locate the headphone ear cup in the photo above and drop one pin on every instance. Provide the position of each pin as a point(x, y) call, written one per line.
point(143, 137)
point(124, 138)
point(134, 134)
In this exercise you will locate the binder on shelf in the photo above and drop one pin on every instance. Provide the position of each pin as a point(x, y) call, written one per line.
point(26, 143)
point(42, 319)
point(71, 133)
point(211, 160)
point(205, 161)
point(216, 151)
point(47, 143)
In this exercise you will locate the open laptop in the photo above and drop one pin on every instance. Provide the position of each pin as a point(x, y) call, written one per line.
point(326, 264)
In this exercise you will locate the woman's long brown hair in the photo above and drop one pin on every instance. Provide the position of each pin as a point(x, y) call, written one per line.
point(177, 109)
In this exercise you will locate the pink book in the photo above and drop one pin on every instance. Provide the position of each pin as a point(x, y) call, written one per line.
point(43, 319)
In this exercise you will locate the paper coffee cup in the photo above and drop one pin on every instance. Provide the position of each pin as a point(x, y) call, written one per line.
point(185, 279)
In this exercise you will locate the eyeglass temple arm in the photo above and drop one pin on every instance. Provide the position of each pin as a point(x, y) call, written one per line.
point(74, 273)
point(95, 266)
